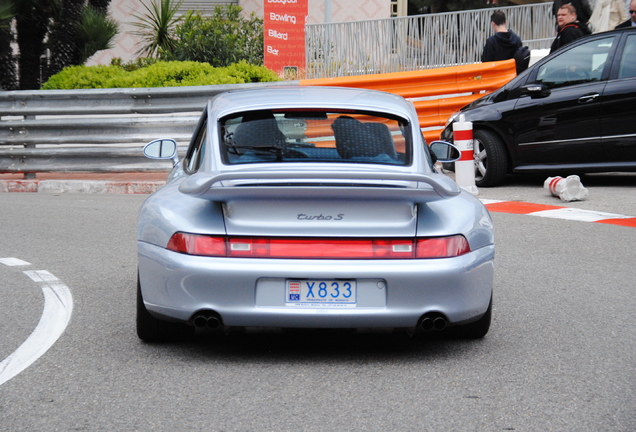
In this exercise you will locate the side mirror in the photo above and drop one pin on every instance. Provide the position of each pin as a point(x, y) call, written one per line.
point(535, 90)
point(162, 149)
point(445, 151)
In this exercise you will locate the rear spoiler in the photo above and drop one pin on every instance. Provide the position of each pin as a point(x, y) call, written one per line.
point(203, 185)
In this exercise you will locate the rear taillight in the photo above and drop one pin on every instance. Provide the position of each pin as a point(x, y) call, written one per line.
point(318, 248)
point(441, 247)
point(192, 244)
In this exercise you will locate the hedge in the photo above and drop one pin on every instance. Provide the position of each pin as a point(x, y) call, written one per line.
point(158, 74)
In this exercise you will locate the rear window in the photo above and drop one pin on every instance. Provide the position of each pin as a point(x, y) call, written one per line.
point(310, 135)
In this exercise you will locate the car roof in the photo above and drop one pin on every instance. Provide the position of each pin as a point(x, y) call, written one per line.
point(310, 97)
point(620, 30)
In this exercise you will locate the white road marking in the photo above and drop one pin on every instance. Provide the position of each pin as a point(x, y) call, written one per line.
point(578, 214)
point(58, 307)
point(13, 262)
point(41, 276)
point(489, 201)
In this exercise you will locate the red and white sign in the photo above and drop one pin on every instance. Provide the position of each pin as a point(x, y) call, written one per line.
point(284, 36)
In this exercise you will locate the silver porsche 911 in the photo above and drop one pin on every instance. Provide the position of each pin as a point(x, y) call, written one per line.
point(311, 207)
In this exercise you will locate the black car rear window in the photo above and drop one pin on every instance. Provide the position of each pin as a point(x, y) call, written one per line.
point(310, 135)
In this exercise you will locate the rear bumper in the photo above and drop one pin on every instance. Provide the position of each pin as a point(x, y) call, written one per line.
point(250, 292)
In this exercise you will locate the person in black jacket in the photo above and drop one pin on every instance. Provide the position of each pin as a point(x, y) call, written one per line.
point(503, 44)
point(631, 22)
point(570, 29)
point(582, 8)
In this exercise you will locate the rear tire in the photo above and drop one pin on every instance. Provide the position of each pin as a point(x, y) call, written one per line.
point(151, 329)
point(477, 329)
point(491, 162)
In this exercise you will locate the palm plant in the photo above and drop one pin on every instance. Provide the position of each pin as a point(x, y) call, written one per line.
point(78, 31)
point(100, 5)
point(65, 27)
point(156, 26)
point(6, 13)
point(8, 73)
point(63, 40)
point(95, 31)
point(32, 20)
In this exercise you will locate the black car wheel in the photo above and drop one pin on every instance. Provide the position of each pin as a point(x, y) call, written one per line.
point(150, 329)
point(491, 163)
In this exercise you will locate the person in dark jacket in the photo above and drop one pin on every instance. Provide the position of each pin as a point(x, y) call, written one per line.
point(631, 22)
point(570, 29)
point(503, 44)
point(582, 8)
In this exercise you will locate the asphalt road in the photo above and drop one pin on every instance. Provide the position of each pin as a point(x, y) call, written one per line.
point(560, 355)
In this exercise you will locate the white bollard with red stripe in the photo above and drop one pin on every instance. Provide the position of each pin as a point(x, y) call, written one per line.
point(465, 166)
point(568, 189)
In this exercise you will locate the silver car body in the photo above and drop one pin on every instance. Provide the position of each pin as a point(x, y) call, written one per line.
point(344, 200)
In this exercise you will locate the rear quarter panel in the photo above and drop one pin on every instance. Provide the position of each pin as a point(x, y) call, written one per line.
point(463, 214)
point(168, 210)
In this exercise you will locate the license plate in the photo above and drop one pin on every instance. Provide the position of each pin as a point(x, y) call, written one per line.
point(321, 293)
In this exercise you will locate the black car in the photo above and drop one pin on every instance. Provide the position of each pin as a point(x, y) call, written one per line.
point(573, 112)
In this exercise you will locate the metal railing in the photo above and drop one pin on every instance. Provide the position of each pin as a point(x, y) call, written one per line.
point(102, 130)
point(417, 42)
point(98, 130)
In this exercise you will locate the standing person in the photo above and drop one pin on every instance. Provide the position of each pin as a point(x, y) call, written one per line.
point(632, 13)
point(582, 8)
point(570, 29)
point(504, 43)
point(607, 15)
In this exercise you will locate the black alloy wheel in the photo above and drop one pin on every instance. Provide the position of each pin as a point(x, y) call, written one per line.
point(491, 162)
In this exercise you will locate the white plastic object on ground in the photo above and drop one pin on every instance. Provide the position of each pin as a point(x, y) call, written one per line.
point(568, 189)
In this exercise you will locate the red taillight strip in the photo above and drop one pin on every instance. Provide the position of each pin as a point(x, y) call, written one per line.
point(318, 248)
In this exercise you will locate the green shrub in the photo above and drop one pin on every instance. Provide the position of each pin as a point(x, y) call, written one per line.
point(251, 73)
point(167, 74)
point(132, 65)
point(83, 77)
point(158, 74)
point(221, 39)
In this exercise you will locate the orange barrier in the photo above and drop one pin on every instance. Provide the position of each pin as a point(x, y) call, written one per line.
point(427, 88)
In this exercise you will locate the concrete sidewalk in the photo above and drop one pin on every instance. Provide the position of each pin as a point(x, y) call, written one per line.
point(122, 183)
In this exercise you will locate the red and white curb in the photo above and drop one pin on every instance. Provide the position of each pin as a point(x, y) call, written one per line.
point(558, 212)
point(58, 307)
